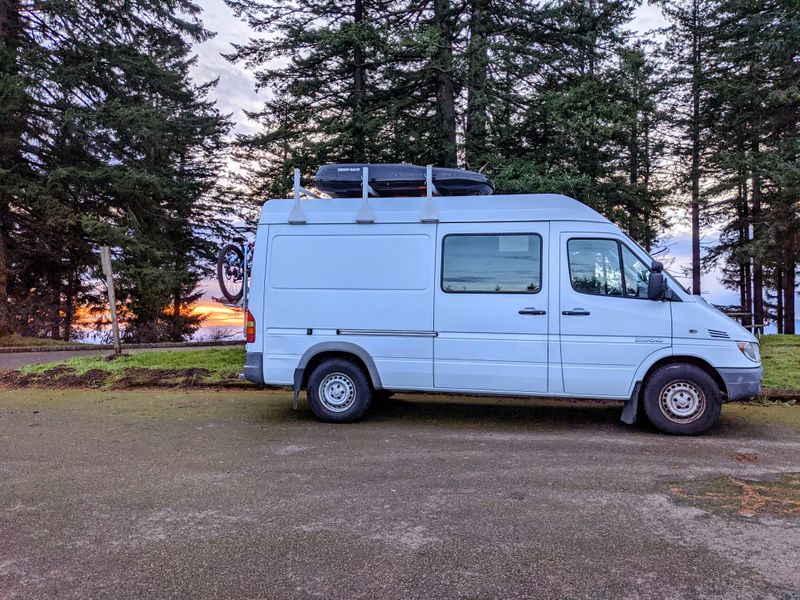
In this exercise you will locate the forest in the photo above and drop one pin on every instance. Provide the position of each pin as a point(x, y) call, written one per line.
point(106, 139)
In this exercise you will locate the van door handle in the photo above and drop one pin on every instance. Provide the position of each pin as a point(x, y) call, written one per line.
point(575, 312)
point(532, 311)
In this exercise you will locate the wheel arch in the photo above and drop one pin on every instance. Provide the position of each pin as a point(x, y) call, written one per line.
point(685, 360)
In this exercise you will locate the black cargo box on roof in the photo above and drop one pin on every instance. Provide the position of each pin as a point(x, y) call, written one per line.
point(393, 180)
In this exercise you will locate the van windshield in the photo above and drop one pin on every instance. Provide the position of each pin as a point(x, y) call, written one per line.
point(651, 259)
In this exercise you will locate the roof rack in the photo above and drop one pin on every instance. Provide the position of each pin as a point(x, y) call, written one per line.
point(297, 215)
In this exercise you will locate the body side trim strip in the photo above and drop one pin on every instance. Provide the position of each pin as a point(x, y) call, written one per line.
point(387, 332)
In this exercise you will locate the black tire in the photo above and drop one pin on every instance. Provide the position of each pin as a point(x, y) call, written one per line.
point(222, 276)
point(682, 399)
point(349, 392)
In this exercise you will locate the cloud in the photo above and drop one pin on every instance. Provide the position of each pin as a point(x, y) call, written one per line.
point(647, 17)
point(236, 90)
point(678, 258)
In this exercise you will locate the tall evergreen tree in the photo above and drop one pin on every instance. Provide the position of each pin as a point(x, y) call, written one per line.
point(108, 132)
point(690, 38)
point(755, 148)
point(586, 122)
point(320, 62)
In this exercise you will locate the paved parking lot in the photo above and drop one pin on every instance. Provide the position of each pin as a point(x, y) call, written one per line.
point(232, 494)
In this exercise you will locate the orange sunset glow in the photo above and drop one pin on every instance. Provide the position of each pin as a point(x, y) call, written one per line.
point(216, 314)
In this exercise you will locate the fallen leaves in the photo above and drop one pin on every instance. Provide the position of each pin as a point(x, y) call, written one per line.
point(742, 497)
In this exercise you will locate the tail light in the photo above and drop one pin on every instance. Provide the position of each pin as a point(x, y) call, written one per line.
point(249, 327)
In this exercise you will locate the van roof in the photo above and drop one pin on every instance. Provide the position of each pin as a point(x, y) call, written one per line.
point(449, 209)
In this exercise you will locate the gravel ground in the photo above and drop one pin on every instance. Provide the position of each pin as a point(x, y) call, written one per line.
point(203, 494)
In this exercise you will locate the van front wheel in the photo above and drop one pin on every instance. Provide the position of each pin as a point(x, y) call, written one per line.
point(339, 391)
point(682, 399)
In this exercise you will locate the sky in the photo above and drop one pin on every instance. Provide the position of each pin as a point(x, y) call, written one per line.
point(235, 93)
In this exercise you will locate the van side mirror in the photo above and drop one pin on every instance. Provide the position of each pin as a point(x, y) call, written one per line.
point(657, 282)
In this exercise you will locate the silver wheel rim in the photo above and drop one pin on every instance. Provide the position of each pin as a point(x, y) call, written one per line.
point(337, 392)
point(682, 402)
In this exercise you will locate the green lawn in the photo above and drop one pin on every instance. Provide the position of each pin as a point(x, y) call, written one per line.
point(217, 365)
point(780, 355)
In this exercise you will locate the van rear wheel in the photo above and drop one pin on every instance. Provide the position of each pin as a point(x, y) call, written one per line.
point(682, 399)
point(339, 391)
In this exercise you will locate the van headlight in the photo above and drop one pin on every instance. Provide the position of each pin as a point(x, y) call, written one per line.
point(750, 350)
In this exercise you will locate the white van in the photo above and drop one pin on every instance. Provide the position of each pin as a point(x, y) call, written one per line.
point(518, 295)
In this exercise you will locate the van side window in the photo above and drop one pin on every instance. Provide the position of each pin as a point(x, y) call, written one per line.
point(498, 263)
point(604, 267)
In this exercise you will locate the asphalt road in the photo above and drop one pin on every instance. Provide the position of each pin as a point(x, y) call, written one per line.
point(16, 360)
point(234, 495)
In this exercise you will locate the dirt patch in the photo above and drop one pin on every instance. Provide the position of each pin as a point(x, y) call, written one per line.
point(139, 377)
point(779, 395)
point(742, 497)
point(135, 377)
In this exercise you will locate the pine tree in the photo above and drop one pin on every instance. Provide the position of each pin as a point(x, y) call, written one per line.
point(107, 132)
point(14, 170)
point(580, 116)
point(755, 149)
point(320, 61)
point(690, 38)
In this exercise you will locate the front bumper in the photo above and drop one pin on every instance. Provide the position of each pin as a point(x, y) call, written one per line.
point(742, 384)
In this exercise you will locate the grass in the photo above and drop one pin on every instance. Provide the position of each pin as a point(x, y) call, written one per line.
point(217, 365)
point(18, 341)
point(780, 355)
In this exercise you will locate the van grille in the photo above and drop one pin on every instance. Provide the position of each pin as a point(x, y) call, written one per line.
point(720, 335)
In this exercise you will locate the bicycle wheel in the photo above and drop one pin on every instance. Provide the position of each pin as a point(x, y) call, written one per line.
point(230, 272)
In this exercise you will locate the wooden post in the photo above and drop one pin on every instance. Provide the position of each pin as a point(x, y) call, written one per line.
point(105, 261)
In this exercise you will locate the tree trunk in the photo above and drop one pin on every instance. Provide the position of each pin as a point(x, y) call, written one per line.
point(633, 177)
point(742, 250)
point(742, 292)
point(758, 269)
point(176, 316)
point(359, 84)
point(55, 306)
point(477, 94)
point(789, 275)
point(445, 86)
point(779, 298)
point(742, 224)
point(649, 233)
point(695, 175)
point(69, 305)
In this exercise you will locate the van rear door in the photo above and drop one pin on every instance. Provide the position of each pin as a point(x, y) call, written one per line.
point(490, 309)
point(608, 327)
